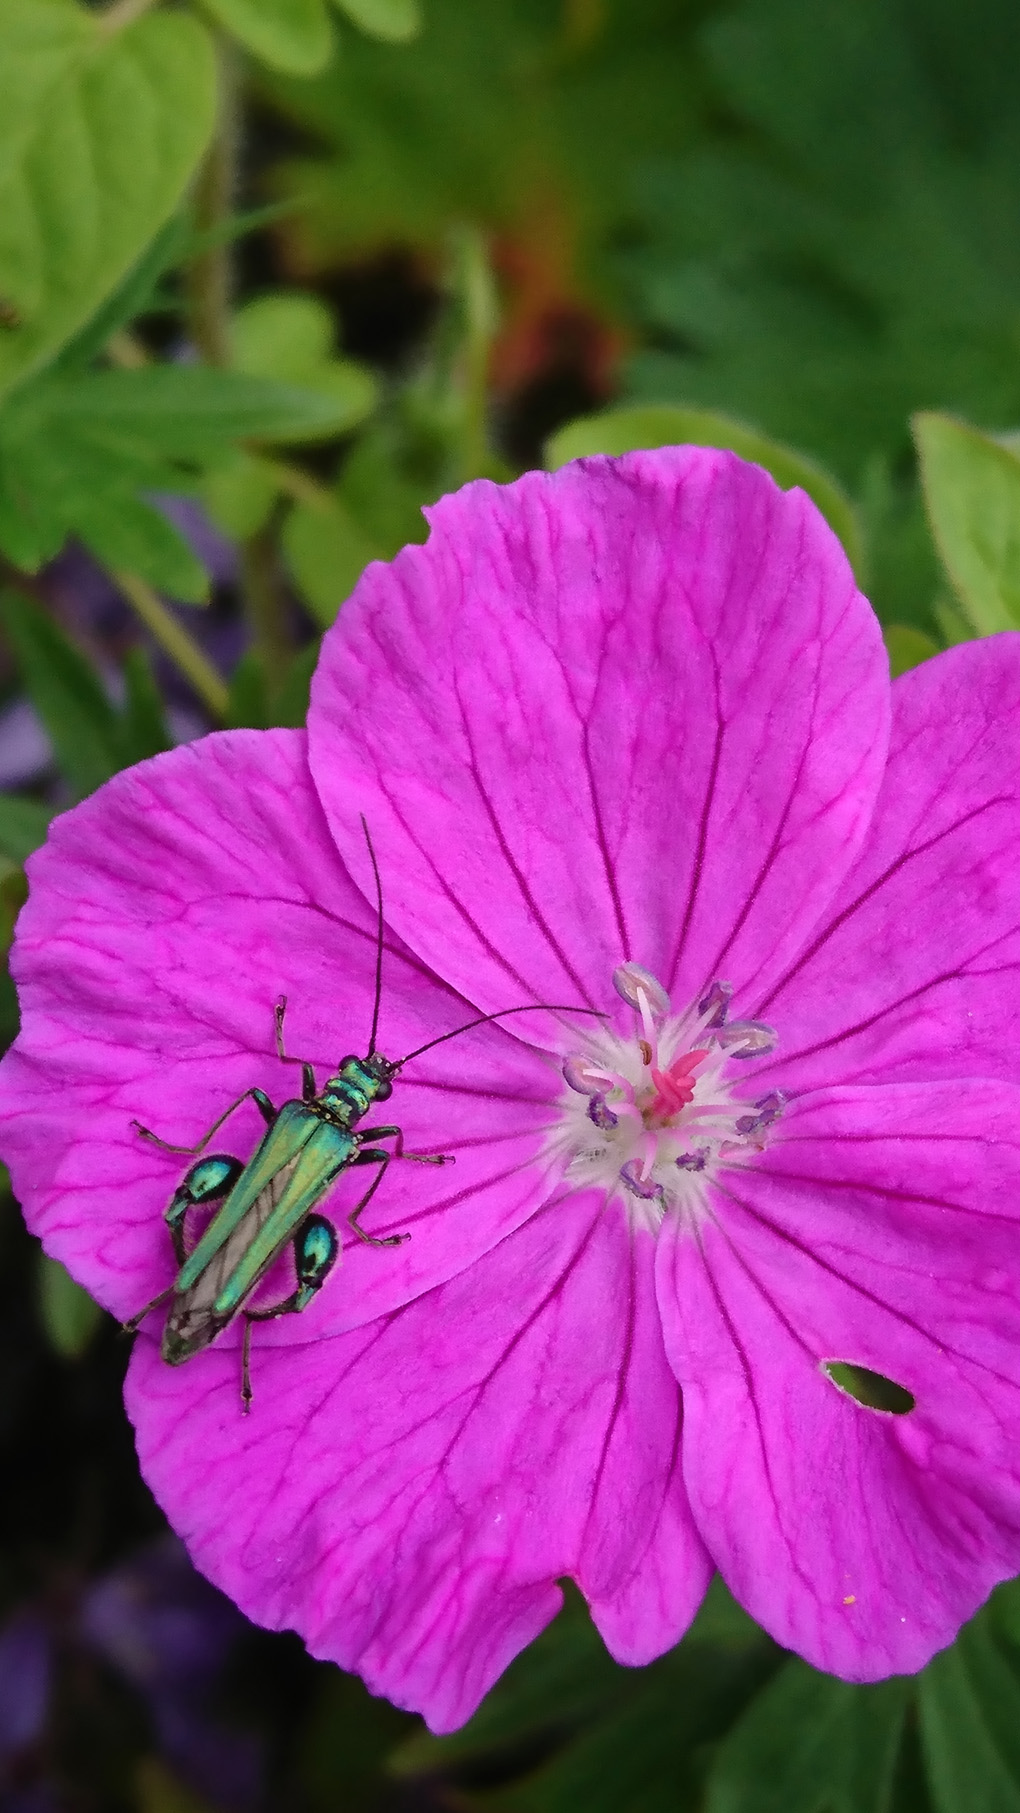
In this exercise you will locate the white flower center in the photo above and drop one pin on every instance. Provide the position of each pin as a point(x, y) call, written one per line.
point(649, 1118)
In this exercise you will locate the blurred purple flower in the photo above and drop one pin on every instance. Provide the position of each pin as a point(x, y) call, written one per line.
point(626, 724)
point(26, 1667)
point(169, 1633)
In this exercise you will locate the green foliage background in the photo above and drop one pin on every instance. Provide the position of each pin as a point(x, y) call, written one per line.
point(309, 265)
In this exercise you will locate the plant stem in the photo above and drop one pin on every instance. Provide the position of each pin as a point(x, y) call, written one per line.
point(121, 13)
point(174, 640)
point(475, 294)
point(209, 275)
point(265, 604)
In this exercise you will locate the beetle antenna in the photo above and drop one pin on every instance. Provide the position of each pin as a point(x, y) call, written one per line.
point(379, 939)
point(534, 1007)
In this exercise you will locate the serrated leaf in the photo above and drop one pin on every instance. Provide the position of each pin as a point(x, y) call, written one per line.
point(972, 493)
point(100, 133)
point(289, 337)
point(23, 826)
point(239, 495)
point(190, 411)
point(290, 35)
point(327, 552)
point(78, 717)
point(70, 1317)
point(633, 426)
point(395, 21)
point(81, 455)
point(128, 535)
point(810, 1744)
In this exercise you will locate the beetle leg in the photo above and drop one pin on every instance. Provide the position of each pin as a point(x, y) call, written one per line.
point(308, 1086)
point(206, 1182)
point(258, 1096)
point(129, 1328)
point(316, 1249)
point(382, 1159)
point(397, 1133)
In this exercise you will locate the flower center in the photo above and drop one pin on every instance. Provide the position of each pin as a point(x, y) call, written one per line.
point(650, 1117)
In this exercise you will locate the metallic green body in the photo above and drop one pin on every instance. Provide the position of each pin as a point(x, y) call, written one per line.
point(306, 1147)
point(312, 1152)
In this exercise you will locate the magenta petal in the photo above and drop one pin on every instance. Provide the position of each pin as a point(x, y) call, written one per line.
point(915, 971)
point(407, 1495)
point(166, 916)
point(881, 1228)
point(632, 709)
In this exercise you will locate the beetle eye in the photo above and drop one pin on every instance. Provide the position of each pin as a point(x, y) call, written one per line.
point(342, 1066)
point(383, 1092)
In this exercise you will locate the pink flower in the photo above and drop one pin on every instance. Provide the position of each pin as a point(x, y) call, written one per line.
point(622, 737)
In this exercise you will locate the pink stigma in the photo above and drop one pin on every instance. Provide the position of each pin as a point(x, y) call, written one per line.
point(674, 1088)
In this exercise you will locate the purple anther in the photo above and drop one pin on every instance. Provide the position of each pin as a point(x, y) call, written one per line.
point(584, 1076)
point(631, 982)
point(747, 1038)
point(640, 1186)
point(602, 1115)
point(691, 1161)
point(768, 1109)
point(717, 1002)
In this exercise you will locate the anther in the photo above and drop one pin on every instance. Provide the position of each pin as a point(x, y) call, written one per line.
point(747, 1038)
point(601, 1115)
point(631, 982)
point(691, 1161)
point(768, 1109)
point(645, 1188)
point(716, 1003)
point(584, 1076)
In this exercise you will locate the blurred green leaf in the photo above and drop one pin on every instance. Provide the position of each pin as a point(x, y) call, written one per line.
point(345, 1744)
point(292, 35)
point(79, 456)
point(143, 729)
point(184, 411)
point(970, 1721)
point(290, 705)
point(70, 1316)
point(247, 704)
point(327, 552)
point(625, 429)
point(239, 495)
point(130, 298)
point(907, 647)
point(565, 1678)
point(289, 337)
point(78, 717)
point(972, 492)
point(23, 826)
point(811, 1744)
point(99, 135)
point(395, 21)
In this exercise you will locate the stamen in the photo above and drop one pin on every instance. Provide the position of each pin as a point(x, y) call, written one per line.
point(601, 1115)
point(747, 1038)
point(584, 1076)
point(662, 1100)
point(631, 981)
point(645, 1191)
point(716, 1003)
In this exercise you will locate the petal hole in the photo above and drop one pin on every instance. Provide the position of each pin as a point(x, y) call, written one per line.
point(871, 1389)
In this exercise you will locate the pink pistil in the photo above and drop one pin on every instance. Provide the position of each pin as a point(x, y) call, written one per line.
point(674, 1088)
